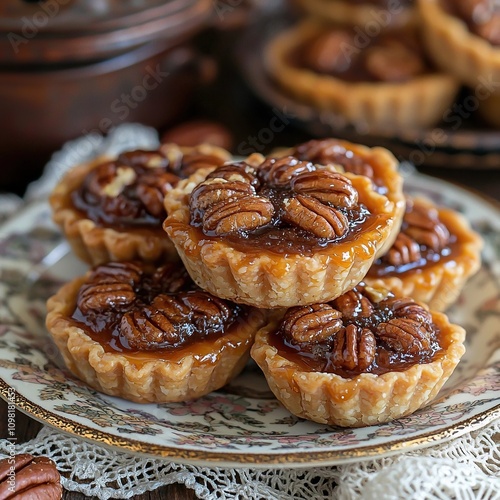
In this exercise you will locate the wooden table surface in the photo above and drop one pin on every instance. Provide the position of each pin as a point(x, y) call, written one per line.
point(257, 116)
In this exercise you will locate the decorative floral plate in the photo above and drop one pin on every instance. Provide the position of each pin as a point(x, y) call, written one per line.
point(241, 424)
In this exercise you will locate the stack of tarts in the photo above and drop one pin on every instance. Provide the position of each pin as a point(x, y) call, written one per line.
point(306, 260)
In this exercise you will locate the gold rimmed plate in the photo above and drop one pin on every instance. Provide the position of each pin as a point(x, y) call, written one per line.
point(242, 424)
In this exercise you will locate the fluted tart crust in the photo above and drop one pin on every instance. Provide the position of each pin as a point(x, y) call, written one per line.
point(149, 334)
point(363, 359)
point(277, 232)
point(459, 50)
point(378, 164)
point(382, 88)
point(434, 255)
point(361, 13)
point(111, 209)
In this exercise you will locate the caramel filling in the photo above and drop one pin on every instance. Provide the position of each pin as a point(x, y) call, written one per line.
point(389, 57)
point(150, 312)
point(363, 331)
point(422, 242)
point(129, 192)
point(481, 16)
point(284, 205)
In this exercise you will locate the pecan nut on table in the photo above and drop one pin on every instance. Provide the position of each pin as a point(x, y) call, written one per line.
point(26, 477)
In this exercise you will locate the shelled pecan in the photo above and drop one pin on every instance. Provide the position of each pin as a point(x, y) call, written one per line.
point(281, 192)
point(28, 477)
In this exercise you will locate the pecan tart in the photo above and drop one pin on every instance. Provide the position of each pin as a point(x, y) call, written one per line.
point(112, 210)
point(378, 164)
point(277, 232)
point(370, 14)
point(463, 38)
point(386, 85)
point(434, 254)
point(149, 334)
point(364, 358)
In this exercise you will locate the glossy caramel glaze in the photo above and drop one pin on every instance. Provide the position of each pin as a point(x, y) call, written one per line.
point(355, 334)
point(150, 313)
point(424, 241)
point(129, 191)
point(327, 211)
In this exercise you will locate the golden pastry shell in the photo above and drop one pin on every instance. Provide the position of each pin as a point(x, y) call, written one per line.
point(364, 400)
point(458, 51)
point(141, 377)
point(97, 244)
point(271, 280)
point(375, 107)
point(439, 284)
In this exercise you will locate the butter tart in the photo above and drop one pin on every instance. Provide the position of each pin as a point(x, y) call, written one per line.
point(371, 14)
point(149, 334)
point(112, 209)
point(433, 256)
point(383, 86)
point(463, 38)
point(378, 164)
point(277, 232)
point(362, 359)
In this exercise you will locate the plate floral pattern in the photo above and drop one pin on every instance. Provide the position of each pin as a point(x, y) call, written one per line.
point(242, 423)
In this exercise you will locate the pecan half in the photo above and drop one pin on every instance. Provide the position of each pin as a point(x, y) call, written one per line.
point(280, 171)
point(394, 62)
point(109, 287)
point(354, 348)
point(171, 279)
point(315, 217)
point(408, 308)
point(353, 304)
point(215, 191)
point(403, 335)
point(238, 171)
point(404, 251)
point(242, 214)
point(424, 226)
point(99, 298)
point(170, 320)
point(327, 187)
point(315, 323)
point(331, 52)
point(152, 190)
point(192, 162)
point(140, 158)
point(29, 477)
point(329, 151)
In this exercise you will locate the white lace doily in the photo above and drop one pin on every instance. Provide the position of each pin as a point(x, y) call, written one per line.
point(465, 468)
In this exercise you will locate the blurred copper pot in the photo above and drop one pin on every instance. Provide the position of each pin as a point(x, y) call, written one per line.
point(46, 104)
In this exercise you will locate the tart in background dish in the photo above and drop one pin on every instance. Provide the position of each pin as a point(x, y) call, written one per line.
point(112, 209)
point(362, 12)
point(378, 164)
point(363, 359)
point(463, 38)
point(278, 232)
point(433, 256)
point(149, 335)
point(381, 87)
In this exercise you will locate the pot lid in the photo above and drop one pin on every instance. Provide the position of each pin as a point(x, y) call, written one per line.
point(57, 31)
